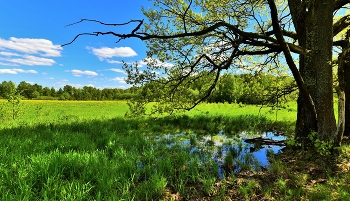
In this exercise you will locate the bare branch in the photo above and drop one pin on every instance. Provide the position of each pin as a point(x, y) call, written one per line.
point(212, 28)
point(107, 24)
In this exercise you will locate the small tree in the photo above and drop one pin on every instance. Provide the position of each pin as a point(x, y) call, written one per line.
point(17, 107)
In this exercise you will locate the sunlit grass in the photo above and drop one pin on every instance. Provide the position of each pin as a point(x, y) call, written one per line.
point(79, 150)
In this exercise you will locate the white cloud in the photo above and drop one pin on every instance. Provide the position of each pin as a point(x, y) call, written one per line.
point(114, 61)
point(21, 51)
point(154, 62)
point(7, 64)
point(16, 71)
point(62, 84)
point(79, 73)
point(117, 70)
point(106, 52)
point(29, 61)
point(119, 79)
point(9, 54)
point(7, 71)
point(144, 62)
point(42, 47)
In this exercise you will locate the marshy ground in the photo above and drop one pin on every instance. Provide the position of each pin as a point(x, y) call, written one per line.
point(88, 151)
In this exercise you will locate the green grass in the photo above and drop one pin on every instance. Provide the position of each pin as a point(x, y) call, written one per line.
point(89, 151)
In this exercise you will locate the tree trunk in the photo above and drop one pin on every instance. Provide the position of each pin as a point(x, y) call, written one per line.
point(313, 21)
point(302, 23)
point(346, 70)
point(321, 39)
point(341, 116)
point(346, 67)
point(308, 71)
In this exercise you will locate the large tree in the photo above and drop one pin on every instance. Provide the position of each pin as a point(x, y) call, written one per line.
point(195, 41)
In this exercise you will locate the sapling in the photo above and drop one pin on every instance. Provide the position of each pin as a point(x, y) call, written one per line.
point(17, 108)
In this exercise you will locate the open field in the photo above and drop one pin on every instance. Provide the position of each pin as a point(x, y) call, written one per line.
point(46, 111)
point(89, 151)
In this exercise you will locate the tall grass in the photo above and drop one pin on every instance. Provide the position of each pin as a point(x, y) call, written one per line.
point(88, 151)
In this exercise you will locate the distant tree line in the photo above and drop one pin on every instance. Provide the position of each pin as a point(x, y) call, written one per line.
point(38, 92)
point(231, 88)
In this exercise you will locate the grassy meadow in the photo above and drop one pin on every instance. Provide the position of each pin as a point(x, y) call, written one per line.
point(72, 150)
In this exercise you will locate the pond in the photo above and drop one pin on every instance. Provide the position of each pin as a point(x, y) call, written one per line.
point(231, 153)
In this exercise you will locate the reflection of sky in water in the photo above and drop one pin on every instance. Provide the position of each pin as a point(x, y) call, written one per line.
point(261, 153)
point(221, 141)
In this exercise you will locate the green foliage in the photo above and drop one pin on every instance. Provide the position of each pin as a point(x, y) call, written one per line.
point(254, 89)
point(15, 110)
point(265, 89)
point(184, 70)
point(37, 92)
point(293, 142)
point(322, 147)
point(17, 106)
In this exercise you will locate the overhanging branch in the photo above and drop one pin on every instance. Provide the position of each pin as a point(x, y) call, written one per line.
point(289, 59)
point(341, 24)
point(146, 36)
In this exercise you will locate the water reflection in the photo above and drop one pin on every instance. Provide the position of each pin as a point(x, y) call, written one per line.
point(230, 153)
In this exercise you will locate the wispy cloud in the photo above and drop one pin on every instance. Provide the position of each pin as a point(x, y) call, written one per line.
point(155, 62)
point(114, 61)
point(117, 70)
point(119, 80)
point(28, 60)
point(79, 73)
point(106, 52)
point(16, 71)
point(9, 54)
point(144, 62)
point(28, 51)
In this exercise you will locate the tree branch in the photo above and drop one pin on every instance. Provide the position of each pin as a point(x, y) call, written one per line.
point(341, 43)
point(145, 36)
point(299, 80)
point(341, 24)
point(107, 24)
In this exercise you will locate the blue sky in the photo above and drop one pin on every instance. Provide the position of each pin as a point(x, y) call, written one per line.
point(32, 31)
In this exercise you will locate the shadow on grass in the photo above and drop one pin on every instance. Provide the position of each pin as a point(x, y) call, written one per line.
point(111, 159)
point(68, 133)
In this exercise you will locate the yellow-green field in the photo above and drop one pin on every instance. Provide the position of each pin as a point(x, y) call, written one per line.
point(37, 111)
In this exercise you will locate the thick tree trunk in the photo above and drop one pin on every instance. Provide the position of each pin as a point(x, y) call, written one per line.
point(308, 71)
point(313, 21)
point(301, 20)
point(321, 38)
